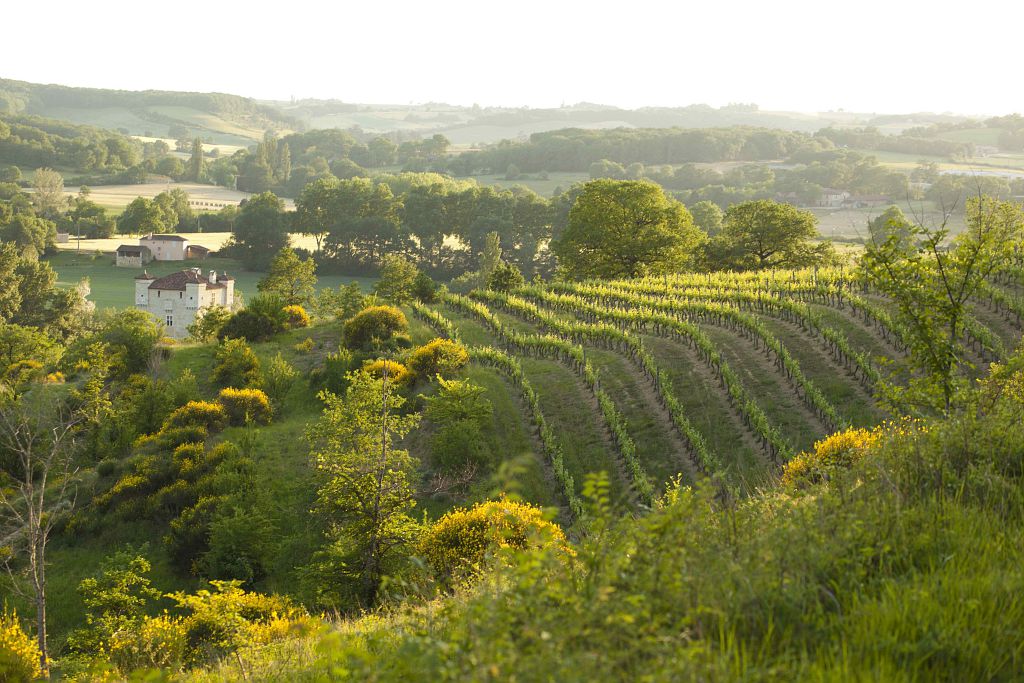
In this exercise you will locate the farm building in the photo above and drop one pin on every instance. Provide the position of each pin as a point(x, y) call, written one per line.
point(177, 299)
point(832, 198)
point(166, 247)
point(132, 256)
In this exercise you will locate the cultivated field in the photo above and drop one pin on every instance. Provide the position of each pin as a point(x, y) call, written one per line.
point(119, 196)
point(696, 374)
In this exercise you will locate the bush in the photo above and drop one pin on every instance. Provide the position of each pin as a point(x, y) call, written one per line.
point(397, 372)
point(262, 318)
point(374, 325)
point(304, 346)
point(438, 357)
point(458, 543)
point(245, 405)
point(237, 365)
point(837, 451)
point(19, 653)
point(424, 288)
point(505, 278)
point(295, 316)
point(208, 326)
point(333, 375)
point(211, 416)
point(154, 643)
point(278, 380)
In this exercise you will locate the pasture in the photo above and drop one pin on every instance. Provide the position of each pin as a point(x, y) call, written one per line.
point(116, 197)
point(113, 287)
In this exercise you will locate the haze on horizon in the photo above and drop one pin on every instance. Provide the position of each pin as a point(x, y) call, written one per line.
point(797, 55)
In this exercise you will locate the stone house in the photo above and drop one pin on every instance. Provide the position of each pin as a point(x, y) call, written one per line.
point(176, 299)
point(166, 247)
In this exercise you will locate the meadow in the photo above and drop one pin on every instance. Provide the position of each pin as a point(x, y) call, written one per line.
point(113, 287)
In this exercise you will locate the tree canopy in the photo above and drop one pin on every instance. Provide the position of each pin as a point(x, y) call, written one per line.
point(624, 229)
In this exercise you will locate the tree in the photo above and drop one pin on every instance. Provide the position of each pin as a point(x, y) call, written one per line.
point(932, 286)
point(397, 279)
point(48, 196)
point(261, 231)
point(37, 438)
point(892, 223)
point(625, 229)
point(707, 216)
point(90, 219)
point(366, 491)
point(142, 216)
point(763, 234)
point(290, 278)
point(314, 209)
point(196, 163)
point(31, 234)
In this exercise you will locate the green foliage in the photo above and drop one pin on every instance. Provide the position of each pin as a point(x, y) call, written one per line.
point(932, 287)
point(624, 229)
point(19, 653)
point(365, 493)
point(398, 279)
point(261, 231)
point(437, 357)
point(278, 380)
point(505, 278)
point(374, 326)
point(764, 234)
point(342, 303)
point(130, 337)
point(424, 288)
point(207, 326)
point(459, 412)
point(707, 216)
point(262, 318)
point(333, 375)
point(236, 365)
point(245, 405)
point(116, 600)
point(291, 279)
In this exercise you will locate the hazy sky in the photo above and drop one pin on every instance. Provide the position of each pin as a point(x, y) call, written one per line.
point(867, 55)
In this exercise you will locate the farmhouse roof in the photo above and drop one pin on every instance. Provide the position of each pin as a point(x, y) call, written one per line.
point(199, 247)
point(130, 249)
point(177, 281)
point(165, 238)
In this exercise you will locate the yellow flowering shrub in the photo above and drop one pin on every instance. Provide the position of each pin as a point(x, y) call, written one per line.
point(439, 356)
point(379, 323)
point(296, 316)
point(304, 346)
point(838, 450)
point(244, 405)
point(19, 653)
point(156, 643)
point(212, 416)
point(458, 543)
point(397, 373)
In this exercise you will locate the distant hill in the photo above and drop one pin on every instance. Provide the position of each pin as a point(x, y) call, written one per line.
point(222, 118)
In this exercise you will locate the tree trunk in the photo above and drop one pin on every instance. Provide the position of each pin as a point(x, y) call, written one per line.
point(39, 579)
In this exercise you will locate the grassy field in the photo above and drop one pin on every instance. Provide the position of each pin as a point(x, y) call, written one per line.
point(113, 287)
point(545, 188)
point(119, 196)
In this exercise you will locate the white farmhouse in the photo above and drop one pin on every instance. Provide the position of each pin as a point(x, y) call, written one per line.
point(165, 247)
point(176, 299)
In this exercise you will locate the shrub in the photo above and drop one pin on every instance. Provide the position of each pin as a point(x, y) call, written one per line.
point(333, 375)
point(296, 316)
point(505, 278)
point(458, 543)
point(262, 318)
point(19, 653)
point(304, 346)
point(211, 416)
point(278, 380)
point(397, 372)
point(237, 365)
point(837, 451)
point(376, 324)
point(424, 289)
point(154, 643)
point(245, 405)
point(208, 326)
point(438, 357)
point(397, 279)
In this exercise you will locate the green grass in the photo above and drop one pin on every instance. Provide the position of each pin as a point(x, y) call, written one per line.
point(114, 287)
point(543, 187)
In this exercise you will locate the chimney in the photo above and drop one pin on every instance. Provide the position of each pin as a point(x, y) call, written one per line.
point(213, 277)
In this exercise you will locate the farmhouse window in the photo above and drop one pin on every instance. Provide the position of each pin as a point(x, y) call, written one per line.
point(170, 321)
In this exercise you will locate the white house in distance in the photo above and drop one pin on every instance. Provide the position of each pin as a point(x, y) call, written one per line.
point(158, 248)
point(176, 299)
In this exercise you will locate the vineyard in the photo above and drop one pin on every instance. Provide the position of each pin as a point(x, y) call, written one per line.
point(697, 375)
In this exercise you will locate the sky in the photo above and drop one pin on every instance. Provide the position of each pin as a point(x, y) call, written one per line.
point(867, 56)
